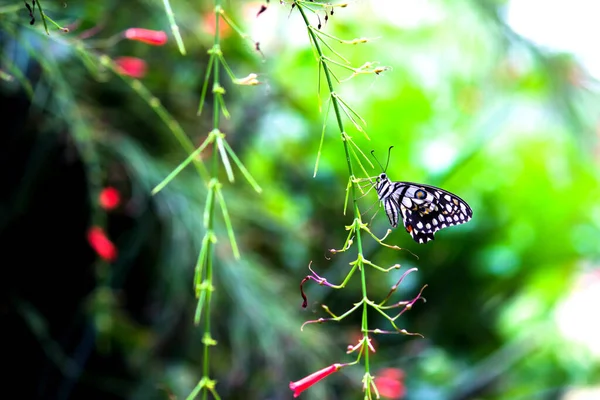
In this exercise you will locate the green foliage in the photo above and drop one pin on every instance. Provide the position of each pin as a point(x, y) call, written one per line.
point(468, 105)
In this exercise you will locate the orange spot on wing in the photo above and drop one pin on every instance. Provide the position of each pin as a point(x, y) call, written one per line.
point(409, 228)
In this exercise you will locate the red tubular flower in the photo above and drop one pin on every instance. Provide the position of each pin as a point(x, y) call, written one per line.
point(148, 36)
point(101, 244)
point(304, 383)
point(131, 66)
point(390, 384)
point(109, 198)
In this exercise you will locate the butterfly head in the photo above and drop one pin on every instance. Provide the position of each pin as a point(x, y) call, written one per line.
point(381, 181)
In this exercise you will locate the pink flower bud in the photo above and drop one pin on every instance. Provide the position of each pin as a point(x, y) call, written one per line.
point(148, 36)
point(390, 383)
point(109, 198)
point(131, 66)
point(304, 383)
point(101, 244)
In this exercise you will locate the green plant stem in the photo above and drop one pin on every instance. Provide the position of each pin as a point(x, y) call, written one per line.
point(174, 27)
point(39, 5)
point(338, 115)
point(207, 339)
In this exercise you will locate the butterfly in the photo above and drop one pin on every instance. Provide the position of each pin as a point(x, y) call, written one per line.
point(425, 209)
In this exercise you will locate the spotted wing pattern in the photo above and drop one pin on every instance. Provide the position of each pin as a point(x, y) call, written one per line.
point(425, 209)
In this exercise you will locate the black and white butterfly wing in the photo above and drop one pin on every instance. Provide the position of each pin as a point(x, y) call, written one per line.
point(392, 210)
point(427, 209)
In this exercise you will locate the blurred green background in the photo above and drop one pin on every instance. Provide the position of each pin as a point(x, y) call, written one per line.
point(468, 104)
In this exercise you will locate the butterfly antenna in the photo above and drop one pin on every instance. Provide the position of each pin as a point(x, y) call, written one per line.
point(388, 159)
point(374, 158)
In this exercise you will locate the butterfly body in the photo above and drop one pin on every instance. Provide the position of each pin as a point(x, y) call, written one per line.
point(424, 209)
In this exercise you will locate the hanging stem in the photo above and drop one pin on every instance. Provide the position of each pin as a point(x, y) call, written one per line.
point(338, 116)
